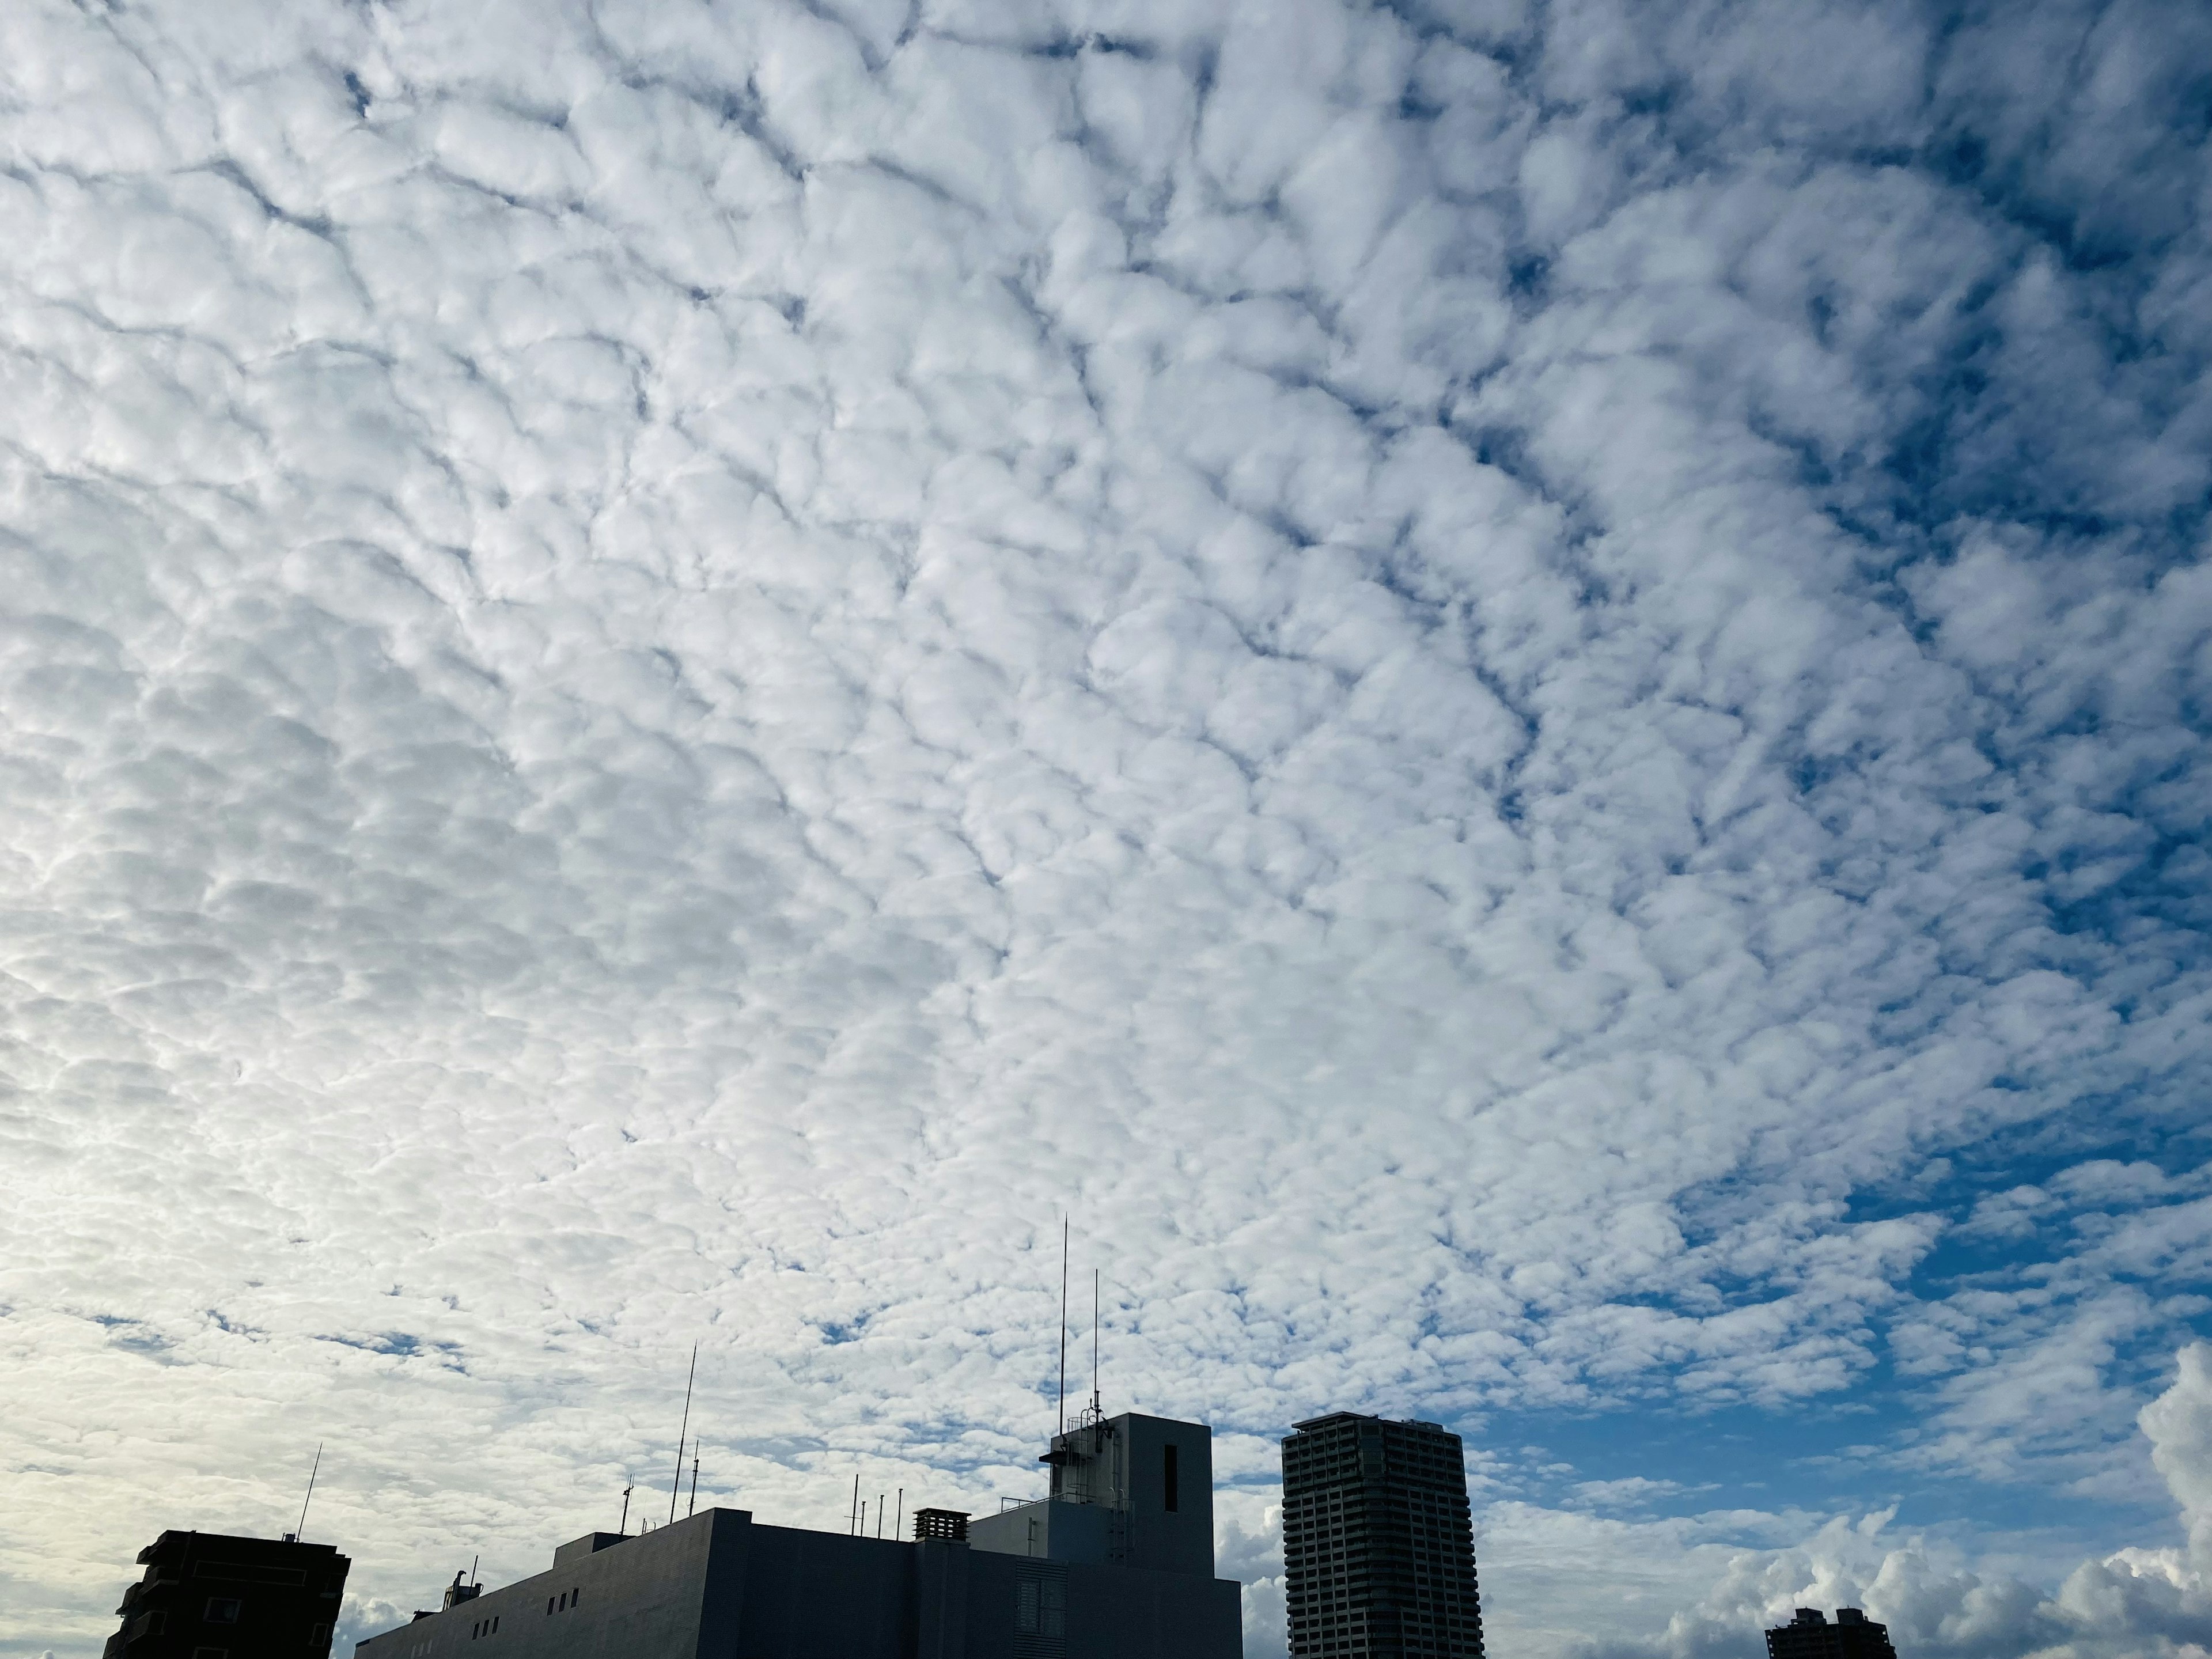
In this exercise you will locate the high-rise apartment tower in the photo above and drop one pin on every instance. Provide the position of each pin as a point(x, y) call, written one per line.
point(1810, 1636)
point(215, 1596)
point(1378, 1546)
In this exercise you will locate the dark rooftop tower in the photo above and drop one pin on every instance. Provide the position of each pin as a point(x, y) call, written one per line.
point(209, 1595)
point(1129, 1490)
point(1810, 1636)
point(1378, 1546)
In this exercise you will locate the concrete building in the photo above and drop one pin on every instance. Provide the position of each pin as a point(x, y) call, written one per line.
point(1378, 1544)
point(1810, 1636)
point(1128, 1491)
point(214, 1595)
point(1117, 1562)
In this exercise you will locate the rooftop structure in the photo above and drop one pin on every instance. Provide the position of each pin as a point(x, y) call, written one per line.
point(1108, 1567)
point(1129, 1491)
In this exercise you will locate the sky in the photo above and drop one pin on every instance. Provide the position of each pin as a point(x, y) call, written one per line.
point(1516, 694)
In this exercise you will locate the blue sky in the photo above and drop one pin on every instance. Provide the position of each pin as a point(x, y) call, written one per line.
point(1519, 690)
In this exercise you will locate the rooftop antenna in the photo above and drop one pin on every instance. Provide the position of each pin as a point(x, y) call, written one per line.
point(1060, 1403)
point(898, 1516)
point(677, 1485)
point(627, 1490)
point(1098, 1415)
point(694, 1507)
point(852, 1514)
point(473, 1559)
point(298, 1531)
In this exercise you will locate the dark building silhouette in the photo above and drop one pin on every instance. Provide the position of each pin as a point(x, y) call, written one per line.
point(211, 1595)
point(1117, 1562)
point(1810, 1636)
point(1378, 1545)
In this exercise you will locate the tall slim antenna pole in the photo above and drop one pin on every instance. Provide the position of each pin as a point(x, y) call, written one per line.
point(677, 1485)
point(879, 1515)
point(853, 1514)
point(627, 1490)
point(694, 1507)
point(1060, 1403)
point(898, 1516)
point(1094, 1411)
point(300, 1531)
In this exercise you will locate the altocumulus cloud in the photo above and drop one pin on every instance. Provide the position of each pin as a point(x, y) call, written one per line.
point(1520, 691)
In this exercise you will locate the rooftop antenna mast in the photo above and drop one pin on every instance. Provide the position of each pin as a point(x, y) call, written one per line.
point(627, 1490)
point(1060, 1402)
point(1097, 1412)
point(677, 1485)
point(298, 1531)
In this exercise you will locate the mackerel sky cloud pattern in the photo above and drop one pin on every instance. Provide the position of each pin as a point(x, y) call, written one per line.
point(1520, 691)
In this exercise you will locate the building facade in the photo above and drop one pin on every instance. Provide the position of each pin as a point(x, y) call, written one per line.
point(214, 1595)
point(1056, 1579)
point(1129, 1490)
point(1810, 1636)
point(1378, 1542)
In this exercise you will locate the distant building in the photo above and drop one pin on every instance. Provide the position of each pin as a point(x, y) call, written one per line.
point(1116, 1563)
point(1810, 1636)
point(1378, 1545)
point(211, 1595)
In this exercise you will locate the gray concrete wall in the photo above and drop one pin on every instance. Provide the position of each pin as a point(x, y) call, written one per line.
point(1125, 1612)
point(994, 1602)
point(941, 1593)
point(811, 1594)
point(718, 1586)
point(1164, 1540)
point(641, 1598)
point(1046, 1531)
point(1106, 1612)
point(1025, 1529)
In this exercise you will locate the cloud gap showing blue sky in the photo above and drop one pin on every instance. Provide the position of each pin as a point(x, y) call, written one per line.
point(1519, 690)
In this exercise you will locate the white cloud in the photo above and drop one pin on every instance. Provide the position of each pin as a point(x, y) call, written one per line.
point(2179, 1425)
point(2136, 1601)
point(1480, 679)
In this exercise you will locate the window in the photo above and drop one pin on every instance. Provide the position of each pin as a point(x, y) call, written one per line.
point(1041, 1606)
point(1168, 1477)
point(222, 1610)
point(249, 1572)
